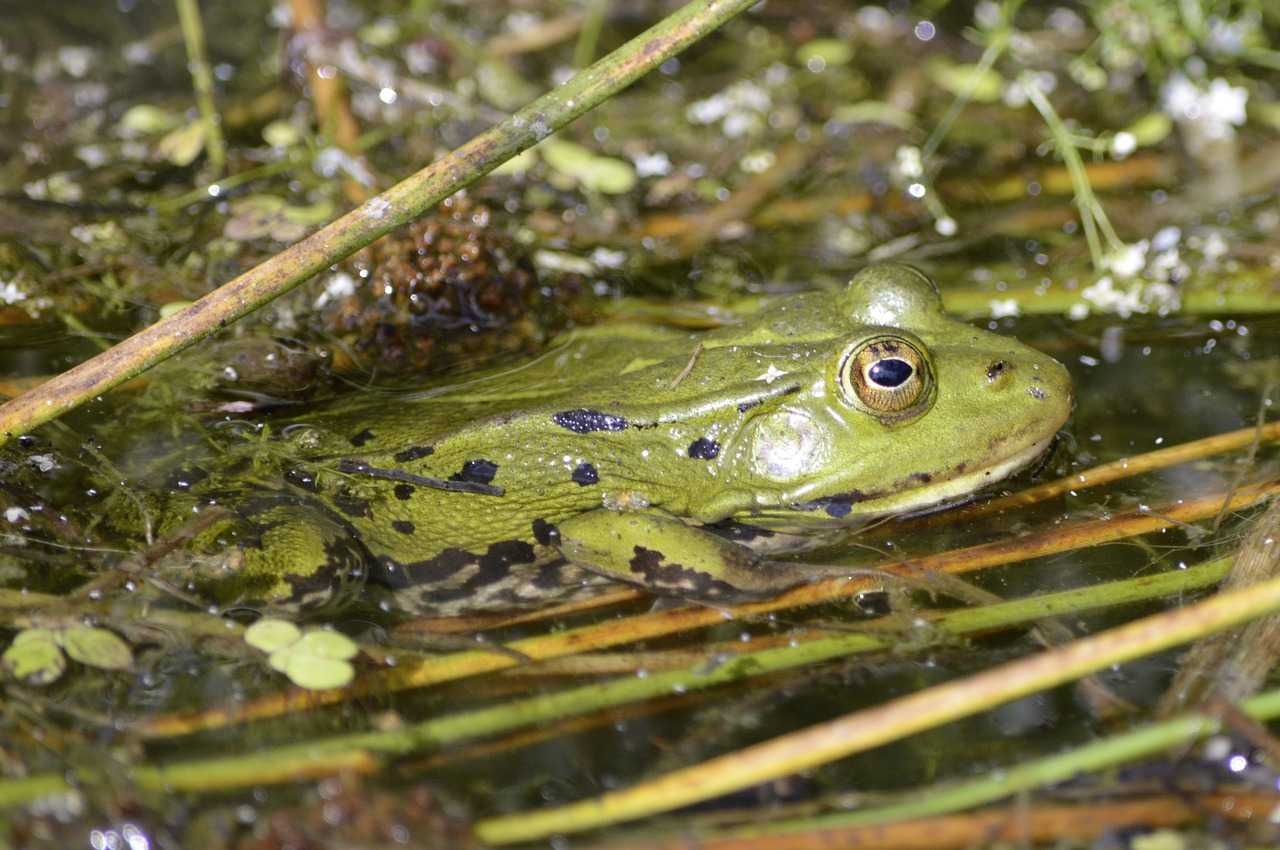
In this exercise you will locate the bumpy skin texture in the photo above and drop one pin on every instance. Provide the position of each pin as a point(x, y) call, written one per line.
point(623, 438)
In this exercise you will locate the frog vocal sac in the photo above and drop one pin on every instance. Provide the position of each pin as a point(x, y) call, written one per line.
point(676, 461)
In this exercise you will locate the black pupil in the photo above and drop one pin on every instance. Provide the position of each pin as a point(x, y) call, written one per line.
point(890, 372)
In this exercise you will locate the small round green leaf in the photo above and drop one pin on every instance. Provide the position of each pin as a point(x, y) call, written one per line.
point(316, 213)
point(326, 643)
point(182, 145)
point(167, 310)
point(598, 173)
point(96, 648)
point(34, 657)
point(279, 660)
point(608, 175)
point(145, 119)
point(318, 674)
point(1151, 128)
point(831, 51)
point(281, 134)
point(518, 164)
point(34, 636)
point(983, 85)
point(270, 634)
point(873, 112)
point(564, 156)
point(501, 85)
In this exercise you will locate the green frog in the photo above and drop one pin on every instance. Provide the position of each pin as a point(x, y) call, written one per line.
point(681, 462)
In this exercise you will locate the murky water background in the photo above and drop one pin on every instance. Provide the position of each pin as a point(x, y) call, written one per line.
point(98, 237)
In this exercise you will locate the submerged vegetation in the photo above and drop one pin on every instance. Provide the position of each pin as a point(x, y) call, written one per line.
point(1097, 178)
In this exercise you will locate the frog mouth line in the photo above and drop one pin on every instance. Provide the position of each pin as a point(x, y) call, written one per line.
point(1035, 465)
point(964, 485)
point(954, 490)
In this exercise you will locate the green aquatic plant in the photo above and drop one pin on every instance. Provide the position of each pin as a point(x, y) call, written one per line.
point(317, 659)
point(38, 656)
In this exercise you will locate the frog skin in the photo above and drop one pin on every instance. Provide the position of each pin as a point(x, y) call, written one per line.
point(676, 461)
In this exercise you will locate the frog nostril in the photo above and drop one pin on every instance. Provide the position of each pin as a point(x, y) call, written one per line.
point(996, 369)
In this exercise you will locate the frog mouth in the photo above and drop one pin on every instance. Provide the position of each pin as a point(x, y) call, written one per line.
point(963, 486)
point(1036, 464)
point(930, 493)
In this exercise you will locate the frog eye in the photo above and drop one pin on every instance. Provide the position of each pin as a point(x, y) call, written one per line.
point(887, 374)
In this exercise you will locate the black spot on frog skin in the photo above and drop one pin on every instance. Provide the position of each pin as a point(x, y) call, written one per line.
point(704, 449)
point(657, 573)
point(545, 533)
point(403, 526)
point(302, 478)
point(448, 563)
point(404, 491)
point(839, 505)
point(496, 563)
point(338, 580)
point(585, 474)
point(922, 477)
point(493, 566)
point(363, 437)
point(548, 577)
point(584, 421)
point(351, 505)
point(185, 479)
point(744, 406)
point(443, 595)
point(413, 453)
point(838, 508)
point(478, 471)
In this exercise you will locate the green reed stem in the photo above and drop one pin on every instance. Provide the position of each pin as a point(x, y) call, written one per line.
point(202, 78)
point(1092, 216)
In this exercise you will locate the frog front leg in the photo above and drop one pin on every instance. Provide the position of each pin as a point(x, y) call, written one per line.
point(661, 553)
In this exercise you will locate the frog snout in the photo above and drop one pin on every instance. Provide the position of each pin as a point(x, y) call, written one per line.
point(1044, 384)
point(1040, 384)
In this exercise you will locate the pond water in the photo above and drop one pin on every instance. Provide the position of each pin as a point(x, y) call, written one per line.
point(780, 156)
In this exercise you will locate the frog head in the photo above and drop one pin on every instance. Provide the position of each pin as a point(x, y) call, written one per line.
point(899, 408)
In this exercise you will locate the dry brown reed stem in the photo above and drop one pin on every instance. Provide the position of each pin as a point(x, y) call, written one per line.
point(892, 720)
point(1104, 473)
point(328, 92)
point(662, 623)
